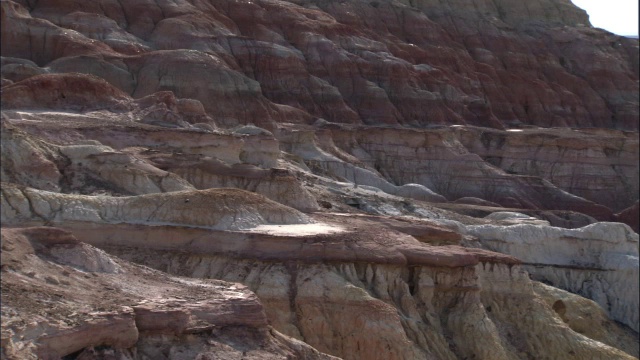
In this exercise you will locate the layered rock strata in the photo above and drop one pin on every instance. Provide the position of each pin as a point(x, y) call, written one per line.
point(422, 311)
point(113, 308)
point(219, 209)
point(596, 164)
point(386, 176)
point(437, 160)
point(273, 61)
point(449, 162)
point(599, 261)
point(444, 161)
point(310, 275)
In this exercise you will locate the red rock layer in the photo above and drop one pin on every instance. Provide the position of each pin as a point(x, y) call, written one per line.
point(630, 216)
point(354, 62)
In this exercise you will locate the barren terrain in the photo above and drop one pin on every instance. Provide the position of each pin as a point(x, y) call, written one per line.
point(305, 179)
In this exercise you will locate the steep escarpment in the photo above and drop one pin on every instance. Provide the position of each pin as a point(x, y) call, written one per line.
point(317, 179)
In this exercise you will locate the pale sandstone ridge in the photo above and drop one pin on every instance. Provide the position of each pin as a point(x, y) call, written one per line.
point(598, 261)
point(125, 312)
point(236, 210)
point(216, 255)
point(217, 209)
point(585, 317)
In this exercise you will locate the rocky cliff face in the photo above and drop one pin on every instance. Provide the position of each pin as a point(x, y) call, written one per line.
point(110, 305)
point(324, 278)
point(604, 247)
point(383, 62)
point(387, 179)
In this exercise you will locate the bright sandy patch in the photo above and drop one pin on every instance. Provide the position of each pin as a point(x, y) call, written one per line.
point(296, 229)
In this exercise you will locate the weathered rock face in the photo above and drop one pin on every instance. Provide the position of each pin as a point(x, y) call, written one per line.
point(112, 307)
point(386, 176)
point(511, 12)
point(501, 64)
point(417, 312)
point(606, 269)
point(596, 164)
point(322, 282)
point(457, 166)
point(583, 316)
point(276, 61)
point(219, 209)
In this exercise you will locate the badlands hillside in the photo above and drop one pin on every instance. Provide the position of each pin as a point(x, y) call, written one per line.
point(317, 179)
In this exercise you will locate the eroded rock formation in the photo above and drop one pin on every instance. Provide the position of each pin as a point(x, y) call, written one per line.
point(387, 179)
point(101, 306)
point(607, 263)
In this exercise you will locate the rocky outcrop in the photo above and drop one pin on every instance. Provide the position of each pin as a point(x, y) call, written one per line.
point(64, 92)
point(73, 92)
point(499, 296)
point(278, 184)
point(23, 156)
point(402, 277)
point(122, 309)
point(79, 163)
point(596, 164)
point(599, 261)
point(229, 209)
point(294, 272)
point(586, 317)
point(439, 160)
point(219, 209)
point(386, 177)
point(429, 64)
point(418, 312)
